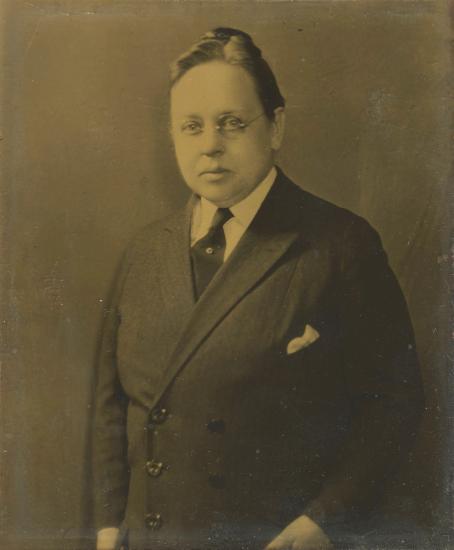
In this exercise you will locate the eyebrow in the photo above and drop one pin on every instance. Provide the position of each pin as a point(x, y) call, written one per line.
point(235, 112)
point(190, 116)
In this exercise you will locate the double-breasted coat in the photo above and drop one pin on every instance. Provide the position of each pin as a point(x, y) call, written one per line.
point(207, 432)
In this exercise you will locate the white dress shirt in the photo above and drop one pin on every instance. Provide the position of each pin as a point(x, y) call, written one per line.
point(243, 214)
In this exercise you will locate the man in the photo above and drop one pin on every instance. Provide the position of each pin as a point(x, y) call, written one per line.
point(258, 381)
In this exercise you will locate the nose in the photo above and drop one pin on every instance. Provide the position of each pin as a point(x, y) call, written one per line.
point(212, 142)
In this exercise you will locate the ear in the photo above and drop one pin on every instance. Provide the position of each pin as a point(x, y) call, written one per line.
point(278, 127)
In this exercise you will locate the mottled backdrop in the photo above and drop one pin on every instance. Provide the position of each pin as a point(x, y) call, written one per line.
point(87, 160)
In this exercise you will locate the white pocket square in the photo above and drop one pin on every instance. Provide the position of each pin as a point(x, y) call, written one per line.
point(309, 336)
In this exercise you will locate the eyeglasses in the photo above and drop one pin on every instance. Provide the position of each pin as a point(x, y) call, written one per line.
point(229, 126)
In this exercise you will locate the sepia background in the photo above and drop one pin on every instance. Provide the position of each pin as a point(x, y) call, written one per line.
point(87, 160)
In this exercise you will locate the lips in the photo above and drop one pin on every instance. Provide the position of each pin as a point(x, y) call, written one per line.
point(216, 170)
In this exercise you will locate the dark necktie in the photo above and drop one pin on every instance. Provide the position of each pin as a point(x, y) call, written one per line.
point(207, 254)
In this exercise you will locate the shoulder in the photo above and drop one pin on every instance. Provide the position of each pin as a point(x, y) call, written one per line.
point(324, 220)
point(151, 237)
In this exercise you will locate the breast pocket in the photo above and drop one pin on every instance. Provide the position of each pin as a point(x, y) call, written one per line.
point(316, 368)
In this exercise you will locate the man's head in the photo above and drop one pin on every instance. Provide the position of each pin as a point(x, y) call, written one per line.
point(227, 116)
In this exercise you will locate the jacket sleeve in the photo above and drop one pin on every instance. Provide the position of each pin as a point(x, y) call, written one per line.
point(382, 374)
point(109, 444)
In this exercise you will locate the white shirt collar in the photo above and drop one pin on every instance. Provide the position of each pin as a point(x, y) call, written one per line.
point(243, 212)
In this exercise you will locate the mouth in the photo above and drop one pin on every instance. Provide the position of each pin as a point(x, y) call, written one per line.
point(213, 175)
point(211, 171)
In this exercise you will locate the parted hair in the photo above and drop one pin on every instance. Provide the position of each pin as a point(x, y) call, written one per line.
point(236, 48)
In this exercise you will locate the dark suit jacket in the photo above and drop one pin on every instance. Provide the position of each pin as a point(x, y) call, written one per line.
point(206, 430)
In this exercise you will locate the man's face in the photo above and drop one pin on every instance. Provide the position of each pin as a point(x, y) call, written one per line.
point(226, 163)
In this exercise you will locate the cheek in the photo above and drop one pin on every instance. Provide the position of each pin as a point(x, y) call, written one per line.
point(253, 156)
point(248, 150)
point(186, 156)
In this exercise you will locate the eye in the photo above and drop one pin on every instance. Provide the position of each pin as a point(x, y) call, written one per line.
point(191, 127)
point(231, 123)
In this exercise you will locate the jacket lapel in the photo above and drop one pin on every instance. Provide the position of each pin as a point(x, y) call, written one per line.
point(269, 236)
point(176, 276)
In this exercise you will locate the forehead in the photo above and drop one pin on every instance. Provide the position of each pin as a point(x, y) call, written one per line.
point(214, 88)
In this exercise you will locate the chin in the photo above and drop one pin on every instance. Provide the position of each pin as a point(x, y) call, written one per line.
point(214, 194)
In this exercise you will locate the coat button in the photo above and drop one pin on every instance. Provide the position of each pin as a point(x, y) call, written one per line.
point(216, 425)
point(153, 521)
point(209, 250)
point(217, 481)
point(159, 415)
point(154, 468)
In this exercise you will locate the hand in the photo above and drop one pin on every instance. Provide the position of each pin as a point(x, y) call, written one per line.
point(301, 534)
point(107, 538)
